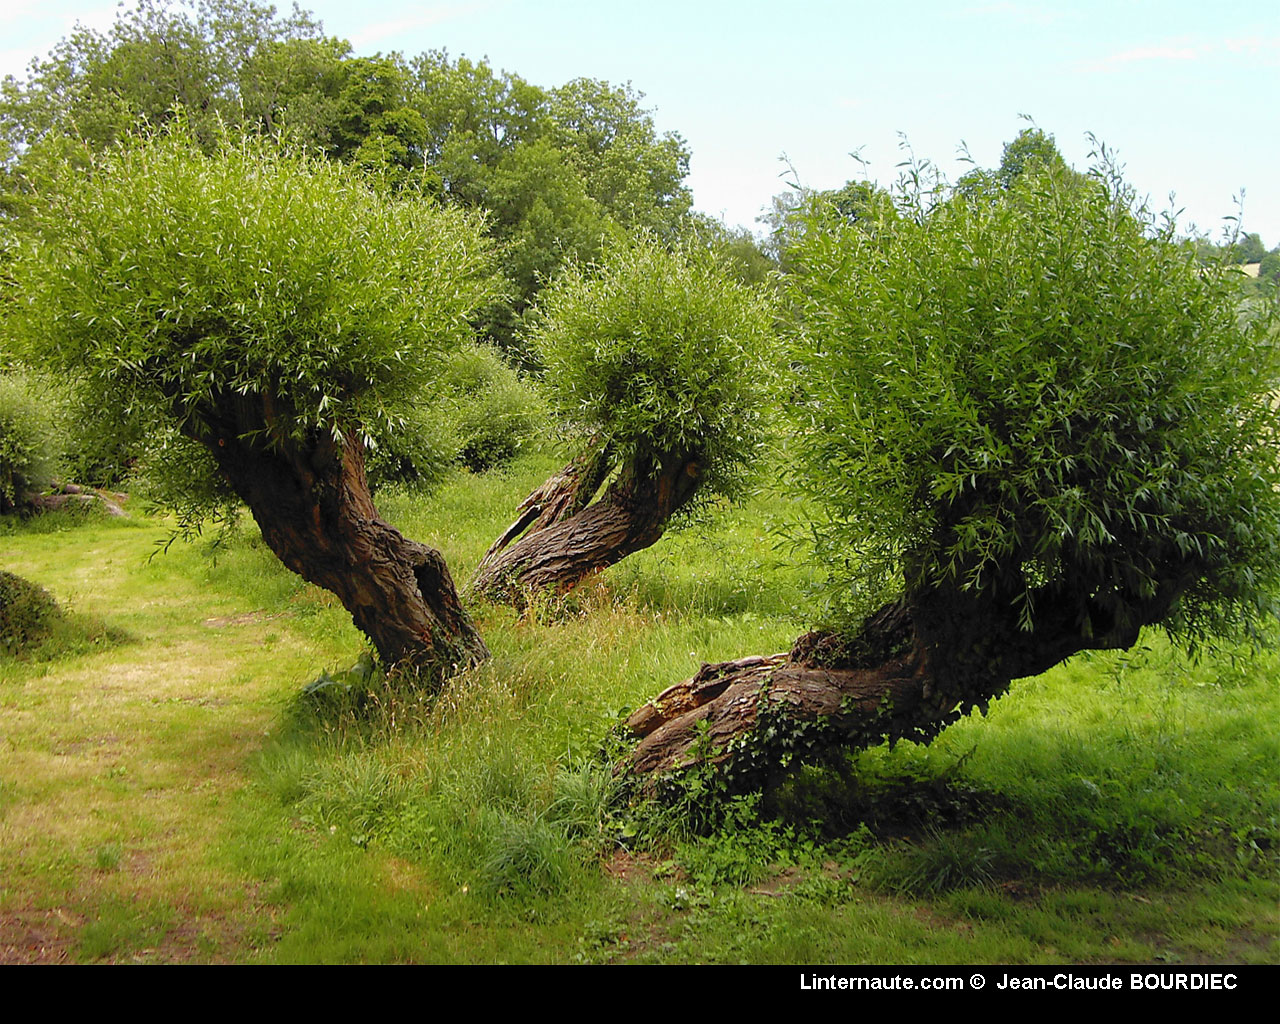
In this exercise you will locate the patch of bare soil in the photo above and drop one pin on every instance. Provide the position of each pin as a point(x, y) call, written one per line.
point(244, 619)
point(631, 867)
point(37, 936)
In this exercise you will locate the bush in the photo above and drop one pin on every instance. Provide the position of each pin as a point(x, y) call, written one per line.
point(495, 414)
point(103, 441)
point(28, 443)
point(28, 613)
point(419, 449)
point(478, 413)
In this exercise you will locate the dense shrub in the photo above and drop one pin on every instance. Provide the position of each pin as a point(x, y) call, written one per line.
point(419, 449)
point(28, 442)
point(495, 414)
point(102, 441)
point(478, 413)
point(27, 613)
point(660, 353)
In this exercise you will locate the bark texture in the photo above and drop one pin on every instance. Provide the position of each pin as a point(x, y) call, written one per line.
point(561, 536)
point(311, 500)
point(917, 666)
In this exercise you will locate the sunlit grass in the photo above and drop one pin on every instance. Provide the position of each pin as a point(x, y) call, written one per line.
point(168, 794)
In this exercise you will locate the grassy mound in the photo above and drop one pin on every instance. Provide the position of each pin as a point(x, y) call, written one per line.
point(28, 613)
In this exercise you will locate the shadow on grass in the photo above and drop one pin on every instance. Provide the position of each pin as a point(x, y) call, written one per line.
point(69, 635)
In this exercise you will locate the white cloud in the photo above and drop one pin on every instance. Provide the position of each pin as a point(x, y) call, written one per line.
point(1255, 47)
point(380, 31)
point(1188, 50)
point(1143, 54)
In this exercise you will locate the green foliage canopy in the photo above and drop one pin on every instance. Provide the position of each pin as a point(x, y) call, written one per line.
point(1270, 268)
point(659, 352)
point(635, 174)
point(220, 60)
point(493, 412)
point(27, 442)
point(181, 280)
point(555, 169)
point(1249, 249)
point(861, 203)
point(1030, 149)
point(1037, 394)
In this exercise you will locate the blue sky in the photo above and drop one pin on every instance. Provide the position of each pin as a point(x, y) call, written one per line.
point(1185, 92)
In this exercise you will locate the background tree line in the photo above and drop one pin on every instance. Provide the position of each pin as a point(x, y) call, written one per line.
point(557, 170)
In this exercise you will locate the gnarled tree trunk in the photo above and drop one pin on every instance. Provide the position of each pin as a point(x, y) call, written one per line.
point(312, 502)
point(918, 665)
point(563, 536)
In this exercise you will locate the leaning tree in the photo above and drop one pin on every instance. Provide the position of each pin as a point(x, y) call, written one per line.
point(276, 311)
point(665, 366)
point(1035, 426)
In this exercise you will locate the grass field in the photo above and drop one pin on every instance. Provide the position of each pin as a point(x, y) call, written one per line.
point(168, 794)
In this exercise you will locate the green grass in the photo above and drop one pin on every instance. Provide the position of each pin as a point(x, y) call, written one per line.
point(167, 793)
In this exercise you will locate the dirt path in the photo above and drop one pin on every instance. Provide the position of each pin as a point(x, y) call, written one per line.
point(120, 767)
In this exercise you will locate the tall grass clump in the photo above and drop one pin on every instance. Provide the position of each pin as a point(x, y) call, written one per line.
point(456, 787)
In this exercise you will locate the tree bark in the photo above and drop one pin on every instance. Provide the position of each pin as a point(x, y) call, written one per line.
point(311, 500)
point(564, 536)
point(918, 665)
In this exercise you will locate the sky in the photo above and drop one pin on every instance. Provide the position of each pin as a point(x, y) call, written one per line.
point(768, 94)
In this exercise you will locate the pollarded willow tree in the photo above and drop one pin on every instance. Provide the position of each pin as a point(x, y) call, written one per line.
point(665, 365)
point(276, 311)
point(1036, 426)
